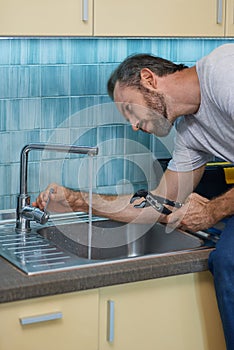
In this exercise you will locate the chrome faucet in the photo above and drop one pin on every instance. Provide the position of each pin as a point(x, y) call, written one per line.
point(25, 212)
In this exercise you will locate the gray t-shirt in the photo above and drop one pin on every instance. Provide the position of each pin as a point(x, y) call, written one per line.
point(209, 132)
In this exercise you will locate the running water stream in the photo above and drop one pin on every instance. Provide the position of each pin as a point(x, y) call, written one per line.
point(90, 205)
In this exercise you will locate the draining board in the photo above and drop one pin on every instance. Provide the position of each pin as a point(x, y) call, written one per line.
point(34, 254)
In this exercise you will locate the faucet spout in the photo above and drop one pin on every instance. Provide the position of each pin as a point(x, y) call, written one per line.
point(24, 212)
point(35, 214)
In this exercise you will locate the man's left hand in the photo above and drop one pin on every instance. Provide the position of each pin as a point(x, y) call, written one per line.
point(193, 216)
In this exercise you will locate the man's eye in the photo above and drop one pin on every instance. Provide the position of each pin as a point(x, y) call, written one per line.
point(128, 108)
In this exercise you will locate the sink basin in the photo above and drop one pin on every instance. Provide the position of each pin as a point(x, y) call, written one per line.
point(114, 240)
point(63, 243)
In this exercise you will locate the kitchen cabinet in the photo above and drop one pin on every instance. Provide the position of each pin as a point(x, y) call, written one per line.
point(46, 17)
point(210, 18)
point(230, 18)
point(178, 312)
point(160, 18)
point(72, 323)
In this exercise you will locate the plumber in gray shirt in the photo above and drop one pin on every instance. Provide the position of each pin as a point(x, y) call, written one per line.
point(153, 94)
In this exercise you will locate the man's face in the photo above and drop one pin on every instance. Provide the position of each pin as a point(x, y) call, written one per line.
point(144, 109)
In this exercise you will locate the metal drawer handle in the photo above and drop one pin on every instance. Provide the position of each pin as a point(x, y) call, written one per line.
point(233, 14)
point(85, 11)
point(41, 318)
point(219, 11)
point(110, 320)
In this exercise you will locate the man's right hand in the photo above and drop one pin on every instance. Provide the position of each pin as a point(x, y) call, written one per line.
point(62, 199)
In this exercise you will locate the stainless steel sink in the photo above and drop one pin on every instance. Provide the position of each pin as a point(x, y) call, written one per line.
point(63, 243)
point(115, 240)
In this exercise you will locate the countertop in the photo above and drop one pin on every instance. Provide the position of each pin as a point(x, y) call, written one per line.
point(15, 285)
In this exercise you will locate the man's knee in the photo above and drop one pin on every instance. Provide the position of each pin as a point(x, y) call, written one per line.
point(221, 261)
point(222, 258)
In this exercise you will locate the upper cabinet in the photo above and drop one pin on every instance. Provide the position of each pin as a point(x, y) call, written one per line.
point(230, 18)
point(43, 17)
point(152, 18)
point(160, 18)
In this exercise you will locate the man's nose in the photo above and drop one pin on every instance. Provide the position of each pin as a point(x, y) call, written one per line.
point(136, 126)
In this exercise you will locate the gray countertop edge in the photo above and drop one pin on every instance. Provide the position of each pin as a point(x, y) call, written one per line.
point(15, 285)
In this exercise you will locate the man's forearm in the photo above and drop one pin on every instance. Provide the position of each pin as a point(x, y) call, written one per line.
point(115, 207)
point(222, 206)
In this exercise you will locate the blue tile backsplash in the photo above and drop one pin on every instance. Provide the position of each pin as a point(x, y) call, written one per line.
point(54, 90)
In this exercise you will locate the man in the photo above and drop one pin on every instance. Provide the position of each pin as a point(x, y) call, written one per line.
point(153, 94)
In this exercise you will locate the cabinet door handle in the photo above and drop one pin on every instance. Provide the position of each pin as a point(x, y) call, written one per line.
point(110, 320)
point(85, 10)
point(233, 14)
point(219, 11)
point(40, 318)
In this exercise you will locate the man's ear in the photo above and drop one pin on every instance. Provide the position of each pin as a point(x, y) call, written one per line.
point(148, 78)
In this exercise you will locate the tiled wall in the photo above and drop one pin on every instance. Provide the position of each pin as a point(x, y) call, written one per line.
point(54, 90)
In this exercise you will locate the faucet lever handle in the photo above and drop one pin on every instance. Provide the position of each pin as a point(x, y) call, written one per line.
point(40, 216)
point(48, 200)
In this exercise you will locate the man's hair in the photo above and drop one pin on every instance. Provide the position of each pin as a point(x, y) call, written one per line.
point(128, 72)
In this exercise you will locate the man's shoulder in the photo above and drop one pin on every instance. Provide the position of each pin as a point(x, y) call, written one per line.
point(216, 56)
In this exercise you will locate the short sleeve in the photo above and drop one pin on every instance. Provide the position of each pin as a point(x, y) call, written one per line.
point(185, 157)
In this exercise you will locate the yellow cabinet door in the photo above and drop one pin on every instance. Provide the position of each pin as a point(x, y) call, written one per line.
point(68, 321)
point(230, 18)
point(174, 313)
point(159, 18)
point(46, 17)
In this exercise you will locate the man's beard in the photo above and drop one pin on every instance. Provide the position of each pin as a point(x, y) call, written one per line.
point(157, 110)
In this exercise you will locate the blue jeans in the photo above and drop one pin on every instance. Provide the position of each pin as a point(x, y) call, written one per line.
point(221, 265)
